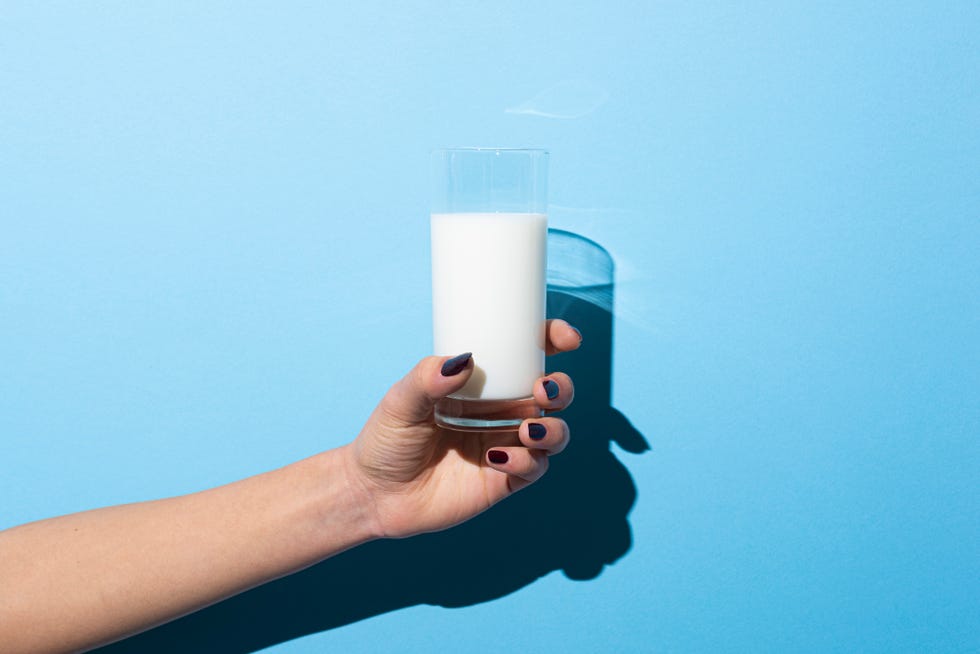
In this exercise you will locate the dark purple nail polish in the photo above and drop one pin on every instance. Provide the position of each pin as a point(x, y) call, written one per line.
point(536, 431)
point(456, 365)
point(497, 456)
point(550, 388)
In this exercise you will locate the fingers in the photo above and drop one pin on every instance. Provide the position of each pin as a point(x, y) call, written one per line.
point(412, 398)
point(561, 337)
point(549, 435)
point(541, 438)
point(554, 392)
point(522, 466)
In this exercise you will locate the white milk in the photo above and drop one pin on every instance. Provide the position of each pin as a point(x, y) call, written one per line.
point(488, 298)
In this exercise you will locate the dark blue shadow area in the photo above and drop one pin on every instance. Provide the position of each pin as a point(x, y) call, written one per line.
point(574, 520)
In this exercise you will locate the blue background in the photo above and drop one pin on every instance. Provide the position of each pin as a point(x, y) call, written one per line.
point(214, 260)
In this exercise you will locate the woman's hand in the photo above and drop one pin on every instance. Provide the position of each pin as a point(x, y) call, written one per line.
point(418, 477)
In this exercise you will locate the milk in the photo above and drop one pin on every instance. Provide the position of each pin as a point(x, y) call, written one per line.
point(488, 298)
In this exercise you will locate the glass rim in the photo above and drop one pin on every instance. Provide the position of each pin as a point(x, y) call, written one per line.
point(490, 149)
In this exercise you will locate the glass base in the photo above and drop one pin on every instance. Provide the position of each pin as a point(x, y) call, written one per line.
point(485, 415)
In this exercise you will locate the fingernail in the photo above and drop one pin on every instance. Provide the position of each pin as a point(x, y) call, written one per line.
point(550, 388)
point(577, 332)
point(536, 431)
point(456, 365)
point(497, 456)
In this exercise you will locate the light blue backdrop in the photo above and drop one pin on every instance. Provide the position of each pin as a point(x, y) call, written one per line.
point(214, 259)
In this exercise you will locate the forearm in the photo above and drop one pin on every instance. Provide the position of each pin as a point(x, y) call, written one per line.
point(80, 580)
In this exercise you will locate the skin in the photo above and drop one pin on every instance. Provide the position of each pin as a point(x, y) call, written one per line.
point(79, 581)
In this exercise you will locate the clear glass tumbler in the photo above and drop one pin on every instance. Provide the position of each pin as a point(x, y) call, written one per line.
point(489, 256)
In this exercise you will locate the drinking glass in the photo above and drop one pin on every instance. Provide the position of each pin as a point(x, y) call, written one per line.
point(489, 256)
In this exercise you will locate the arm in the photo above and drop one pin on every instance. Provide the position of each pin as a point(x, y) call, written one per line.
point(86, 579)
point(89, 578)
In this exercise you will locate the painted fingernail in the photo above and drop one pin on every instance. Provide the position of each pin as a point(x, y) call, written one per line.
point(536, 431)
point(550, 388)
point(497, 456)
point(456, 365)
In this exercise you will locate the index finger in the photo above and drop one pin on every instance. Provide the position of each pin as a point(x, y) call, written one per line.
point(561, 337)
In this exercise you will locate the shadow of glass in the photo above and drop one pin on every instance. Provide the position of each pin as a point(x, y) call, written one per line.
point(574, 520)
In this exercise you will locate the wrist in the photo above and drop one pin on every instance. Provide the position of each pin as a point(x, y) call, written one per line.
point(300, 514)
point(358, 495)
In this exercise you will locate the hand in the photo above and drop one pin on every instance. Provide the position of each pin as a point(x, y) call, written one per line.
point(419, 477)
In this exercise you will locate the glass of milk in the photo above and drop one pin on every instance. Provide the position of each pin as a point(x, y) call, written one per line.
point(489, 235)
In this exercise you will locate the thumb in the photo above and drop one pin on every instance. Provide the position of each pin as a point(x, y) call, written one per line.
point(412, 399)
